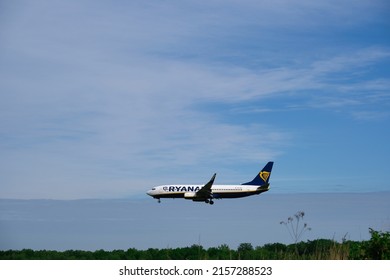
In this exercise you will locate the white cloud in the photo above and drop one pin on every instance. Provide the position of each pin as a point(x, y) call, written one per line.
point(370, 115)
point(95, 95)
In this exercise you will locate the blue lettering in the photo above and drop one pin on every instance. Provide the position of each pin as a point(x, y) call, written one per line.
point(181, 188)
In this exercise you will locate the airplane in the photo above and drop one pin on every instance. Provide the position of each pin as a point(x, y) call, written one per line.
point(208, 192)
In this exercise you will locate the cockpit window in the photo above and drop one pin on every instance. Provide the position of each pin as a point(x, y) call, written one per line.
point(153, 189)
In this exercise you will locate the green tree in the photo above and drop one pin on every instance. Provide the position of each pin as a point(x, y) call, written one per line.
point(378, 247)
point(244, 251)
point(275, 251)
point(221, 252)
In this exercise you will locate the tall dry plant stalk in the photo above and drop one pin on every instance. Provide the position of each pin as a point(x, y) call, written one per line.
point(295, 226)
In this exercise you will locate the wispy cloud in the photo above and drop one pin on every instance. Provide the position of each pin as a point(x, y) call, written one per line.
point(370, 115)
point(115, 92)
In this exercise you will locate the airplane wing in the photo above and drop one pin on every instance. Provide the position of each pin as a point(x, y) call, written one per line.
point(205, 191)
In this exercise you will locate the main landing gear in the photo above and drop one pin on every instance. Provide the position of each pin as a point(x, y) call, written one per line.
point(209, 201)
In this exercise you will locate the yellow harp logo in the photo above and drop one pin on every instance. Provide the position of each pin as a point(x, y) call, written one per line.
point(264, 175)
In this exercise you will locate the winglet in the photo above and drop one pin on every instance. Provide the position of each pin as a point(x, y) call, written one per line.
point(212, 179)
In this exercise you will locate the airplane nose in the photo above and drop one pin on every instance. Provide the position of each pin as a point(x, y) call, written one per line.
point(149, 193)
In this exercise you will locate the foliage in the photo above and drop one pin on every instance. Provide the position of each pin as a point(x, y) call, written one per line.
point(378, 247)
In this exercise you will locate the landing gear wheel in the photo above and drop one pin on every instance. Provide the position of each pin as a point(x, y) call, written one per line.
point(211, 202)
point(207, 201)
point(159, 201)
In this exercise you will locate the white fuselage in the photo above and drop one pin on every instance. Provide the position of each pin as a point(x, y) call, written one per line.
point(188, 191)
point(209, 191)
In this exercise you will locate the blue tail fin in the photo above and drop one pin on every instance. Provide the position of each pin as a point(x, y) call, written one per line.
point(263, 177)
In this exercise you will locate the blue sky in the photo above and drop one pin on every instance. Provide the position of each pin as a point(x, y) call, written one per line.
point(105, 100)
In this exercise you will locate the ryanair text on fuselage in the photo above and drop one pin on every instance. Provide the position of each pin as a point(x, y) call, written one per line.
point(209, 191)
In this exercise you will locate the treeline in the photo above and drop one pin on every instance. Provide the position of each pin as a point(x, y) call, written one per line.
point(378, 247)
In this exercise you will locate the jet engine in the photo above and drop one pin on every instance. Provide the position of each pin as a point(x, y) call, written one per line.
point(190, 195)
